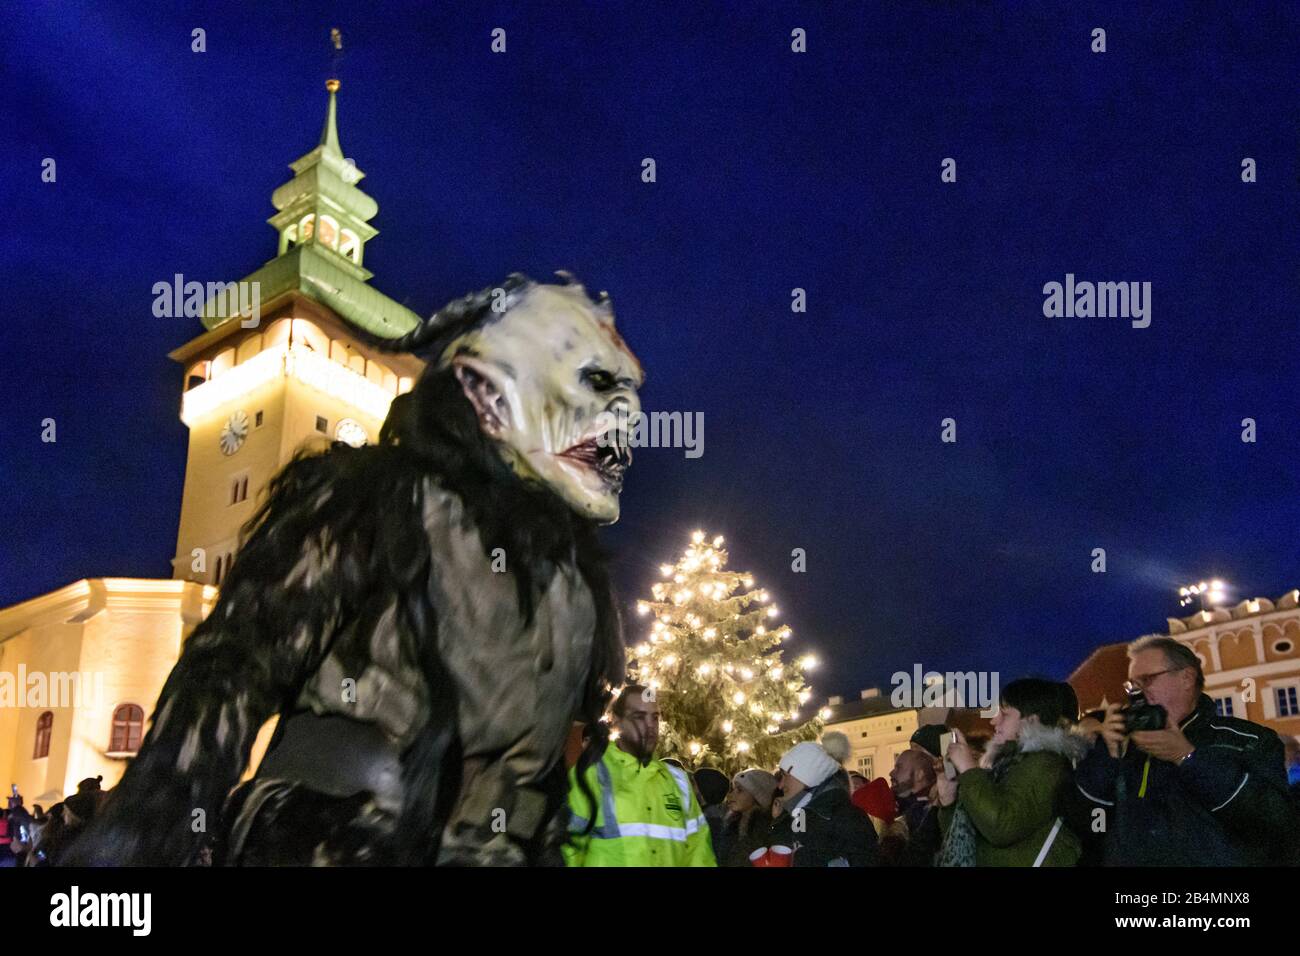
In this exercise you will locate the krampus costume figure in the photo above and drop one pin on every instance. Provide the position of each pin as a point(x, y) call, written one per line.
point(427, 616)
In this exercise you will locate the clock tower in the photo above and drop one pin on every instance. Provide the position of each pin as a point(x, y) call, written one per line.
point(263, 381)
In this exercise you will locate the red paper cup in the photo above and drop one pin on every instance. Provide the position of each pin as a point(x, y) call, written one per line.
point(759, 857)
point(780, 856)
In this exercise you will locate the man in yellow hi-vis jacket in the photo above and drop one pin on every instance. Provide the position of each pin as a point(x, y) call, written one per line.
point(646, 813)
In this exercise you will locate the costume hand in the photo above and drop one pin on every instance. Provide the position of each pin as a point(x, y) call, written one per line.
point(1168, 744)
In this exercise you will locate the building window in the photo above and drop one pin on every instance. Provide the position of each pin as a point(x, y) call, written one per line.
point(44, 725)
point(327, 232)
point(1223, 706)
point(322, 425)
point(216, 575)
point(866, 767)
point(128, 728)
point(1282, 647)
point(238, 489)
point(257, 420)
point(349, 245)
point(1287, 705)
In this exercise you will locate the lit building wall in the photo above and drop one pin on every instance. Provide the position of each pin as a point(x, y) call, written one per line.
point(97, 644)
point(875, 742)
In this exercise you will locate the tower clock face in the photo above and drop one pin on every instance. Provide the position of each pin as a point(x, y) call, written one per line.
point(351, 433)
point(233, 432)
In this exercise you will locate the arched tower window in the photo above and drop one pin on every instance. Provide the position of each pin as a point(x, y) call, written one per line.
point(223, 363)
point(277, 334)
point(309, 334)
point(328, 232)
point(291, 236)
point(196, 376)
point(350, 245)
point(128, 728)
point(306, 226)
point(44, 727)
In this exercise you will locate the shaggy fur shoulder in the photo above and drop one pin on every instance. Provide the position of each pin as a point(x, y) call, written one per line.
point(1035, 738)
point(1059, 740)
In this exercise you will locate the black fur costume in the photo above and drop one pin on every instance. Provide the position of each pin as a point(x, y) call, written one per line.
point(373, 565)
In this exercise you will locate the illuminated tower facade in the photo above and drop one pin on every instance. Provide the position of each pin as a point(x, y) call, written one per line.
point(260, 386)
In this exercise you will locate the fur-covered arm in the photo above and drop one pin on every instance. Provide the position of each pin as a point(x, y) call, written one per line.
point(270, 627)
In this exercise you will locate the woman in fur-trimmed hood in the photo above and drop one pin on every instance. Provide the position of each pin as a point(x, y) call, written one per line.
point(1006, 810)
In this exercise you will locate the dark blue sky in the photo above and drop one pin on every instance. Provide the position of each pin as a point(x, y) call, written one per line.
point(775, 170)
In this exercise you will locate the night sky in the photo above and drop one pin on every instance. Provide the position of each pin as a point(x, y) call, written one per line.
point(775, 170)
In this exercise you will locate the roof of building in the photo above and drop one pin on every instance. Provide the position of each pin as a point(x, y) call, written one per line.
point(1243, 609)
point(1101, 676)
point(81, 600)
point(866, 707)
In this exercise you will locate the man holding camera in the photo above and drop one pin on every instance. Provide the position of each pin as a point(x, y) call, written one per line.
point(1170, 783)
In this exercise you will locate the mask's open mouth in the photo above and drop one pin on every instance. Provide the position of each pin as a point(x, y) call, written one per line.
point(606, 455)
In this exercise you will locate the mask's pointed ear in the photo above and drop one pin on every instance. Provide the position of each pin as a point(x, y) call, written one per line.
point(486, 392)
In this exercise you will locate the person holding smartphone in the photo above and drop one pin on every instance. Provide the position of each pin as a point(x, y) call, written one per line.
point(1005, 810)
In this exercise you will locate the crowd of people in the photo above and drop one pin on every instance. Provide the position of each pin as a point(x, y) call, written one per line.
point(37, 837)
point(1169, 782)
point(1164, 781)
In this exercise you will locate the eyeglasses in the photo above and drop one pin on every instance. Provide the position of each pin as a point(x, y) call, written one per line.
point(1143, 681)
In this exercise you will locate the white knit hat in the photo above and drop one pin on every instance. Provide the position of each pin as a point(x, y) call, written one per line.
point(808, 763)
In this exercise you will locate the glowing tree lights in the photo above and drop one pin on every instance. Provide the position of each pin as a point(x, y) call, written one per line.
point(710, 649)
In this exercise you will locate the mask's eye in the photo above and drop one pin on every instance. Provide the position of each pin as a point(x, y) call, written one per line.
point(599, 379)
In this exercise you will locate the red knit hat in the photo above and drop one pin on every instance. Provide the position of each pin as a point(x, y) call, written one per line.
point(877, 800)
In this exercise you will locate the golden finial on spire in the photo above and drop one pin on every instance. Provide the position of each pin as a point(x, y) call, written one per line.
point(336, 38)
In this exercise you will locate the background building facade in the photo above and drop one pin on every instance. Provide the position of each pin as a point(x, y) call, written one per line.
point(878, 731)
point(1250, 654)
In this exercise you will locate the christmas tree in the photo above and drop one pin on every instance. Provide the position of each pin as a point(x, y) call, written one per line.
point(713, 658)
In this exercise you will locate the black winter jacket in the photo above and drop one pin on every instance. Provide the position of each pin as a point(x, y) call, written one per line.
point(833, 831)
point(1226, 805)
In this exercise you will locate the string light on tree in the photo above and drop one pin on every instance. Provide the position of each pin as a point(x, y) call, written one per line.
point(728, 699)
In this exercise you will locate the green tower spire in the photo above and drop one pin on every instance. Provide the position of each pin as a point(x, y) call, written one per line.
point(322, 204)
point(329, 136)
point(323, 220)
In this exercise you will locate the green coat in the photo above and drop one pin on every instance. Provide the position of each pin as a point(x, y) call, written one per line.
point(1015, 803)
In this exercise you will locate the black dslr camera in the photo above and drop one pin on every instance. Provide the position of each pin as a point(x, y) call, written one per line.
point(1140, 715)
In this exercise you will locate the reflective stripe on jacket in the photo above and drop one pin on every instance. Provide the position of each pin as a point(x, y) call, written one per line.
point(646, 816)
